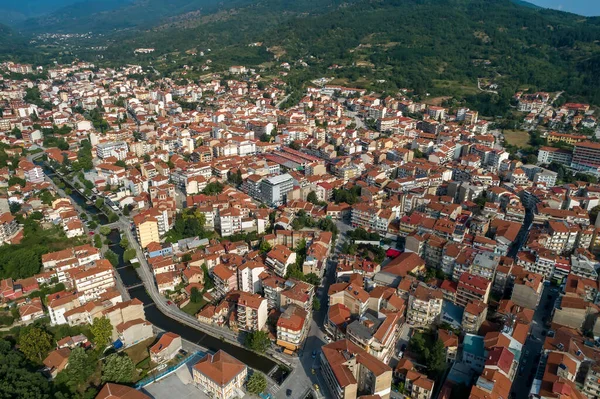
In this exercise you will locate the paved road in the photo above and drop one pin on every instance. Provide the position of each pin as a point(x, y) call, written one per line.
point(533, 346)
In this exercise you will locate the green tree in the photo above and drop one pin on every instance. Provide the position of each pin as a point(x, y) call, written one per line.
point(316, 304)
point(213, 188)
point(118, 368)
point(257, 341)
point(101, 330)
point(195, 295)
point(35, 343)
point(97, 241)
point(81, 367)
point(312, 197)
point(312, 278)
point(124, 243)
point(112, 257)
point(20, 378)
point(129, 254)
point(105, 230)
point(257, 383)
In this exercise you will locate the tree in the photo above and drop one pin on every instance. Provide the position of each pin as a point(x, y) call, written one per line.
point(124, 243)
point(129, 254)
point(118, 368)
point(81, 367)
point(97, 241)
point(105, 230)
point(316, 304)
point(257, 341)
point(19, 378)
point(14, 207)
point(312, 197)
point(265, 247)
point(35, 343)
point(121, 163)
point(436, 358)
point(313, 279)
point(112, 257)
point(213, 188)
point(195, 295)
point(101, 332)
point(257, 383)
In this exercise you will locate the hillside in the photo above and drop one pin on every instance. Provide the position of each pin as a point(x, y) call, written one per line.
point(439, 46)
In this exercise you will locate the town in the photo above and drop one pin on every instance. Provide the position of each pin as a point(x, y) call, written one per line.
point(178, 238)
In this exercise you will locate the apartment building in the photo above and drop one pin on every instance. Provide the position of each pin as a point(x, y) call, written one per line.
point(229, 221)
point(8, 227)
point(221, 375)
point(146, 229)
point(351, 295)
point(473, 317)
point(116, 149)
point(472, 288)
point(166, 348)
point(93, 282)
point(59, 303)
point(274, 190)
point(375, 333)
point(348, 369)
point(248, 276)
point(292, 327)
point(424, 306)
point(251, 312)
point(31, 172)
point(586, 156)
point(279, 259)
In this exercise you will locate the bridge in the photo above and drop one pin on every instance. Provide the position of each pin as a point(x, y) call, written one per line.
point(132, 286)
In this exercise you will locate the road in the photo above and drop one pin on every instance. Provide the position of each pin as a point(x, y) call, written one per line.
point(533, 346)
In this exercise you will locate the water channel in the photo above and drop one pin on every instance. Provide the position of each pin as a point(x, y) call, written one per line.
point(130, 277)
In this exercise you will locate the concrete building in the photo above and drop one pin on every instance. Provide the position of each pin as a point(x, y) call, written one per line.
point(274, 190)
point(292, 327)
point(279, 259)
point(350, 372)
point(146, 229)
point(472, 288)
point(93, 282)
point(251, 312)
point(424, 306)
point(474, 316)
point(116, 149)
point(221, 375)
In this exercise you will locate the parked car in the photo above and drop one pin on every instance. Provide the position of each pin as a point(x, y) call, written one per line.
point(288, 392)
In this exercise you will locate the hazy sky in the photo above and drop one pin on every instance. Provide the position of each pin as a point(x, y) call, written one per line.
point(582, 7)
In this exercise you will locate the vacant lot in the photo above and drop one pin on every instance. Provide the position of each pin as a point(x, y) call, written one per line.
point(193, 307)
point(520, 138)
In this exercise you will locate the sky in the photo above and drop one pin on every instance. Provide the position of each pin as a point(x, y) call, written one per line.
point(582, 7)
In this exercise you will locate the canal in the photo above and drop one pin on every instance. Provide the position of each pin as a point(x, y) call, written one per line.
point(155, 316)
point(129, 277)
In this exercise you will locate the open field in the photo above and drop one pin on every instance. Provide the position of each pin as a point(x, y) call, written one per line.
point(519, 138)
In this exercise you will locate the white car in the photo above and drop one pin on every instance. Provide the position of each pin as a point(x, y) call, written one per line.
point(400, 354)
point(327, 338)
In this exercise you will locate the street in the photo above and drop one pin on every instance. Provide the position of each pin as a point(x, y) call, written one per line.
point(533, 346)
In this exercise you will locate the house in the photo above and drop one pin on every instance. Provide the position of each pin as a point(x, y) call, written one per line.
point(166, 348)
point(56, 361)
point(116, 391)
point(31, 310)
point(133, 331)
point(292, 327)
point(220, 375)
point(279, 259)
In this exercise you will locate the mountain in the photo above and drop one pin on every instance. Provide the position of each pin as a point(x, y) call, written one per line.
point(110, 15)
point(16, 11)
point(12, 45)
point(440, 47)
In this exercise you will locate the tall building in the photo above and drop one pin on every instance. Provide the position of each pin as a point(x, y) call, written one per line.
point(586, 156)
point(95, 281)
point(472, 288)
point(349, 371)
point(146, 228)
point(274, 190)
point(424, 306)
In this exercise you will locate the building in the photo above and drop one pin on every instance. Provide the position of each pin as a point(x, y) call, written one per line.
point(473, 317)
point(472, 288)
point(31, 172)
point(8, 227)
point(56, 361)
point(116, 391)
point(251, 312)
point(424, 306)
point(350, 372)
point(146, 229)
point(375, 333)
point(547, 155)
point(292, 327)
point(166, 348)
point(116, 149)
point(220, 375)
point(279, 259)
point(274, 190)
point(586, 156)
point(93, 282)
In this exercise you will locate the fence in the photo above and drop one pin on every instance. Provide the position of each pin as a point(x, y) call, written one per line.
point(149, 380)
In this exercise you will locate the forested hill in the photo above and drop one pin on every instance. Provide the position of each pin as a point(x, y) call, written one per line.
point(407, 43)
point(11, 43)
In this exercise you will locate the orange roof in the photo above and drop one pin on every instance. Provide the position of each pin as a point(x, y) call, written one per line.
point(221, 367)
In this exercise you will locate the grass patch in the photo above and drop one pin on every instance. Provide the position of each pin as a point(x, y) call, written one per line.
point(456, 88)
point(193, 307)
point(139, 352)
point(519, 138)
